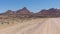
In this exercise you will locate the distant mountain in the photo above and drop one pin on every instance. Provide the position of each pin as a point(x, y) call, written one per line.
point(43, 12)
point(50, 12)
point(9, 12)
point(23, 11)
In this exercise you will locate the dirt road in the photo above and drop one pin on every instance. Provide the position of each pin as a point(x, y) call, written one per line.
point(45, 26)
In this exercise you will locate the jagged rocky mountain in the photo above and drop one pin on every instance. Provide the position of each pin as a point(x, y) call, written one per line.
point(24, 12)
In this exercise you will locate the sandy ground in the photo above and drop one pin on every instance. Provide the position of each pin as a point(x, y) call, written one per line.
point(34, 26)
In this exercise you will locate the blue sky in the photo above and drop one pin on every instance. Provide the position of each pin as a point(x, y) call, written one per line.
point(32, 5)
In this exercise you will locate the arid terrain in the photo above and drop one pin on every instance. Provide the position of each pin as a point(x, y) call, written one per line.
point(31, 26)
point(25, 22)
